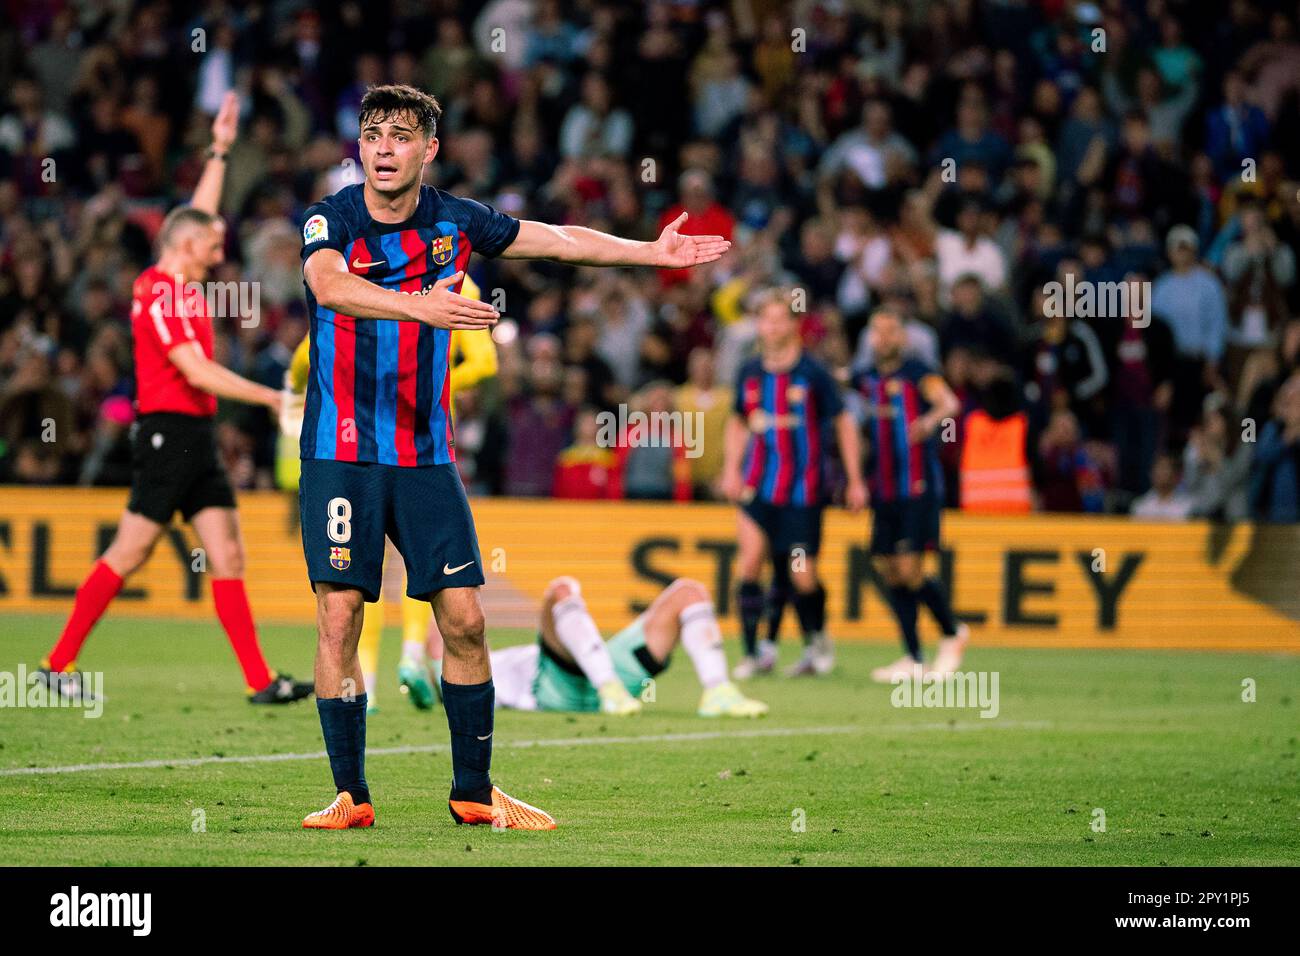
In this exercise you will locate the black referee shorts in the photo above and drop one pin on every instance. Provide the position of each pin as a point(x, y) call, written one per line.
point(174, 467)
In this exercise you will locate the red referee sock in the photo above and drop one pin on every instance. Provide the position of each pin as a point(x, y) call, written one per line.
point(93, 597)
point(237, 618)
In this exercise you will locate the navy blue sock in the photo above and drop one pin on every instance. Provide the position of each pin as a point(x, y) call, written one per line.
point(750, 600)
point(343, 723)
point(811, 609)
point(902, 600)
point(469, 717)
point(778, 596)
point(931, 594)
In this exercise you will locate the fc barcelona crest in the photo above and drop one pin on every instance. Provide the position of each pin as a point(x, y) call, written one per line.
point(442, 248)
point(340, 558)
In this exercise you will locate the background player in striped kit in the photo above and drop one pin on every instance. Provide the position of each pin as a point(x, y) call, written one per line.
point(786, 406)
point(905, 403)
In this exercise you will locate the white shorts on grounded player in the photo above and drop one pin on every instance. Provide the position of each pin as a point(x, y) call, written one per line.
point(514, 670)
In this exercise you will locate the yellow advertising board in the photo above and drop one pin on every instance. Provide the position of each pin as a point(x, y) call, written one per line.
point(1038, 580)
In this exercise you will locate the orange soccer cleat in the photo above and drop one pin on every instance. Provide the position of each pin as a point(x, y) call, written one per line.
point(342, 814)
point(506, 813)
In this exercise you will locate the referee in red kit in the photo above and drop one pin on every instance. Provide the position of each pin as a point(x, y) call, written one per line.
point(173, 444)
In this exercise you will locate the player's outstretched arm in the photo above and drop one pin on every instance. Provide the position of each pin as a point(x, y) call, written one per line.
point(580, 246)
point(337, 289)
point(207, 195)
point(203, 373)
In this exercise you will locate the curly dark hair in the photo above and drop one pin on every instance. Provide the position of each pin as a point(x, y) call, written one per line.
point(389, 102)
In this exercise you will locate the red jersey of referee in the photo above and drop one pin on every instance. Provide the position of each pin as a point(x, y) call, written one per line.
point(163, 317)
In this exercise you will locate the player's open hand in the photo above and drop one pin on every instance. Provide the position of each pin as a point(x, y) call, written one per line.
point(678, 251)
point(226, 125)
point(444, 309)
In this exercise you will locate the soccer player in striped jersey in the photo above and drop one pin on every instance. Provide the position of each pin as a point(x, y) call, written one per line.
point(383, 261)
point(905, 402)
point(786, 407)
point(419, 669)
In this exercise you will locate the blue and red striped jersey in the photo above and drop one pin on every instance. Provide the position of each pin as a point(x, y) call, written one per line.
point(789, 415)
point(379, 390)
point(899, 468)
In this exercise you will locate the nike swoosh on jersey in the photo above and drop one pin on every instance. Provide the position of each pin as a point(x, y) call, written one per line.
point(459, 567)
point(358, 264)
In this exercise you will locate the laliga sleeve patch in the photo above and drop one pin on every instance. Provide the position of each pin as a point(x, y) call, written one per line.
point(315, 229)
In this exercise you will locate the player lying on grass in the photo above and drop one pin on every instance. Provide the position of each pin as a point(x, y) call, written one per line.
point(572, 668)
point(173, 446)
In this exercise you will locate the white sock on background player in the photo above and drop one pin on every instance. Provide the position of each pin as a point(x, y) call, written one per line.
point(579, 635)
point(703, 642)
point(413, 651)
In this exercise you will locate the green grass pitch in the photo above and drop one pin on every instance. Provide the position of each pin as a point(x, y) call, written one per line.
point(1185, 772)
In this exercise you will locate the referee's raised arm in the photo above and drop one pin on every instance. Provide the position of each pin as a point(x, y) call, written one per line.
point(225, 127)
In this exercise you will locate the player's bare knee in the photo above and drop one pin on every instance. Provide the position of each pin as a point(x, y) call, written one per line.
point(564, 586)
point(339, 614)
point(688, 591)
point(464, 632)
point(805, 580)
point(227, 561)
point(885, 569)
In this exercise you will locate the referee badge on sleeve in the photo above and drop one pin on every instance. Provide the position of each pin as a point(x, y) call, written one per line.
point(340, 558)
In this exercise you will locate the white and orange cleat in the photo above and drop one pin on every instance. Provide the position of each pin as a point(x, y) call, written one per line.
point(505, 813)
point(342, 814)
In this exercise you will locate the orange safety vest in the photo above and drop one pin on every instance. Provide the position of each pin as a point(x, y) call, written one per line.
point(994, 470)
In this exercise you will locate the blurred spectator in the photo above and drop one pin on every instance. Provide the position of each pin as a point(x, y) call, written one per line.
point(1275, 472)
point(1190, 298)
point(651, 453)
point(947, 159)
point(702, 396)
point(585, 470)
point(1164, 502)
point(1216, 465)
point(1068, 474)
point(539, 423)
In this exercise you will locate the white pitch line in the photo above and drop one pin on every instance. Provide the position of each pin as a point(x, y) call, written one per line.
point(524, 744)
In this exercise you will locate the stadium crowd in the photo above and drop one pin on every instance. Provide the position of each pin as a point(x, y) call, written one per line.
point(950, 159)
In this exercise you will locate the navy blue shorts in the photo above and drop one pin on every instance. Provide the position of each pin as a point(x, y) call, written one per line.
point(906, 526)
point(787, 526)
point(347, 508)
